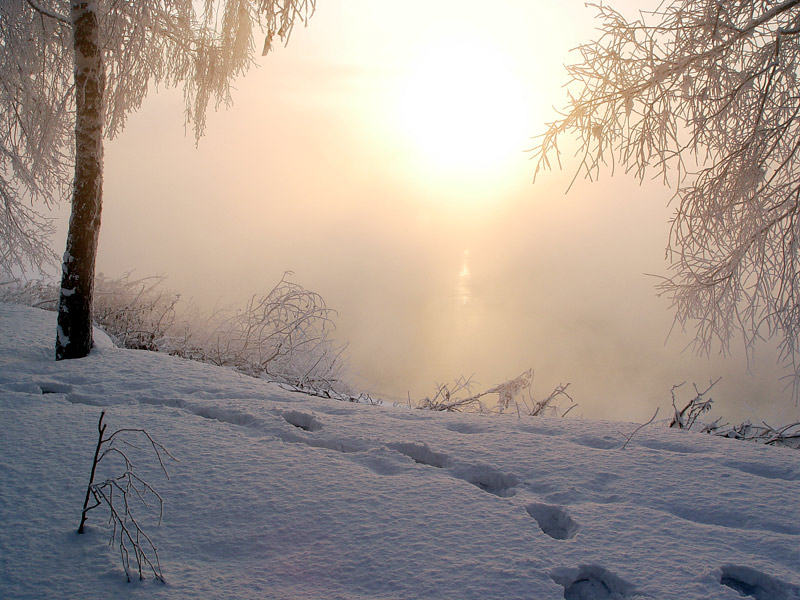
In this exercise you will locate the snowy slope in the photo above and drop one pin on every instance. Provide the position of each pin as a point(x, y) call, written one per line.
point(279, 495)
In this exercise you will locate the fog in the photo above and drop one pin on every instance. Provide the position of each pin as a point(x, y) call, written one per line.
point(437, 268)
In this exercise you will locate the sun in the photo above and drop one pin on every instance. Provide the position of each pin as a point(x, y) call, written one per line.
point(462, 106)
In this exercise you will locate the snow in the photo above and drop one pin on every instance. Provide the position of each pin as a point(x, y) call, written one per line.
point(281, 495)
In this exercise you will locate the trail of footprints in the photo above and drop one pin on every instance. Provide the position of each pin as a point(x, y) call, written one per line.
point(586, 582)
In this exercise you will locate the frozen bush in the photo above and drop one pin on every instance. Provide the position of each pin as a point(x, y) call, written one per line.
point(286, 335)
point(37, 292)
point(460, 397)
point(686, 418)
point(138, 313)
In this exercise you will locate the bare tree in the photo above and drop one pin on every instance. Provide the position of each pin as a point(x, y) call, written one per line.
point(704, 94)
point(70, 73)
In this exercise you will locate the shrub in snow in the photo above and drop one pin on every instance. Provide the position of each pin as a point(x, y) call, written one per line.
point(285, 335)
point(459, 397)
point(117, 494)
point(551, 405)
point(787, 435)
point(37, 293)
point(686, 418)
point(139, 313)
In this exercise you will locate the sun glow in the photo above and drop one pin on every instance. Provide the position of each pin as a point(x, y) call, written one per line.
point(463, 107)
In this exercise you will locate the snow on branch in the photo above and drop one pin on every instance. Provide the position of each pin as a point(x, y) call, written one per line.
point(201, 47)
point(550, 405)
point(461, 397)
point(687, 417)
point(286, 335)
point(49, 13)
point(455, 397)
point(703, 95)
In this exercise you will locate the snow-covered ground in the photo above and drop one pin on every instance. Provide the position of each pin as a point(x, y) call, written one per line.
point(280, 495)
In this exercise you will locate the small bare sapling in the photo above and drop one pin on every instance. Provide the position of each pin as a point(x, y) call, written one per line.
point(117, 493)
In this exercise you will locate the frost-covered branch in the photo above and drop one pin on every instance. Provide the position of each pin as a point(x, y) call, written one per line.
point(286, 335)
point(703, 94)
point(455, 397)
point(460, 397)
point(67, 83)
point(551, 404)
point(49, 13)
point(686, 417)
point(138, 313)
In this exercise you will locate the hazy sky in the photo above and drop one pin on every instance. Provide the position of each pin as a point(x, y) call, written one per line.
point(380, 156)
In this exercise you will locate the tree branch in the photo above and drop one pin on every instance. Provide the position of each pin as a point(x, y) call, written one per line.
point(49, 13)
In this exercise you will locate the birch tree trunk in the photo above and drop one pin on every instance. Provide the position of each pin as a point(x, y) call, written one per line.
point(74, 337)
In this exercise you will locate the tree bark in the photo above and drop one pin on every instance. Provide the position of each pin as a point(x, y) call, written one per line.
point(74, 337)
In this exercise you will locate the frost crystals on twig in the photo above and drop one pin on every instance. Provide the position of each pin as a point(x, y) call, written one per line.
point(686, 417)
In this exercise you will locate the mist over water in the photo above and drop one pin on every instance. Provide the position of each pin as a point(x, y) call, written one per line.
point(435, 272)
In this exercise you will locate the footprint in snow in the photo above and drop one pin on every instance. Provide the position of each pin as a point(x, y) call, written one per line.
point(485, 477)
point(422, 454)
point(766, 471)
point(159, 401)
point(336, 411)
point(302, 420)
point(751, 582)
point(408, 416)
point(488, 479)
point(343, 445)
point(592, 582)
point(381, 461)
point(553, 520)
point(85, 399)
point(225, 415)
point(53, 387)
point(465, 428)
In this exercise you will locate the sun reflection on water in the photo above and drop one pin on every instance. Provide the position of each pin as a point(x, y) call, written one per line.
point(463, 292)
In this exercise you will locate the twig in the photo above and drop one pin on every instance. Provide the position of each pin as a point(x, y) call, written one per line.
point(638, 428)
point(101, 429)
